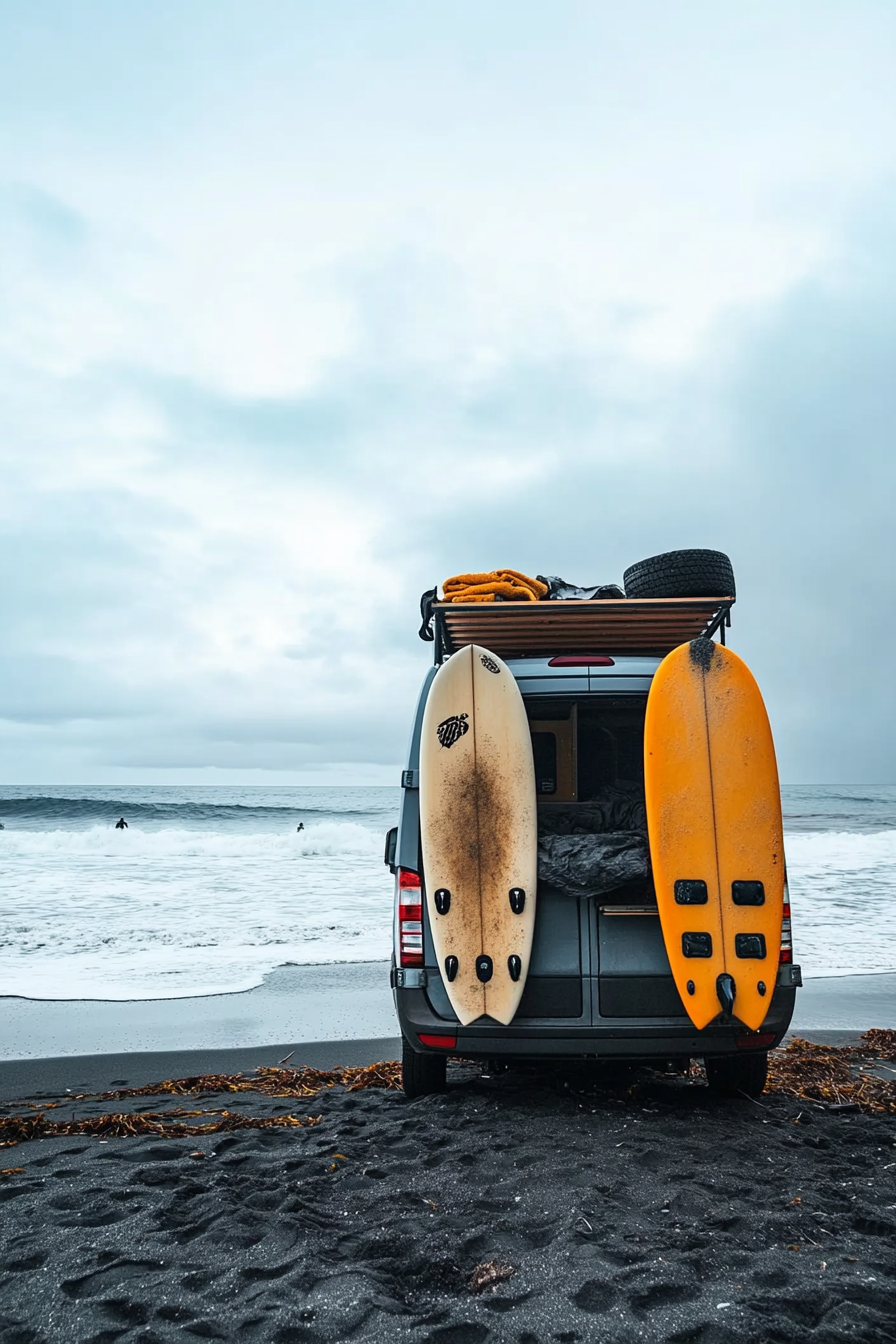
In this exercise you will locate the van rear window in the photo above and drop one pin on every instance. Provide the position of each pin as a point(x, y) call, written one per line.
point(580, 747)
point(544, 750)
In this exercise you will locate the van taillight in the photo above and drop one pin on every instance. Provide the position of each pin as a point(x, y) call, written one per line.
point(410, 919)
point(786, 957)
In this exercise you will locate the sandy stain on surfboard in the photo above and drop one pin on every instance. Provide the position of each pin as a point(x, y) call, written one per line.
point(456, 831)
point(491, 802)
point(504, 933)
point(477, 860)
point(703, 653)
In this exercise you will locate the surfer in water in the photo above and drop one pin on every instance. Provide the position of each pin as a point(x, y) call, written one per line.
point(121, 824)
point(301, 826)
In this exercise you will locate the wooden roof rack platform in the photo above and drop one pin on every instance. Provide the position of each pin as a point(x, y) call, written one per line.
point(649, 627)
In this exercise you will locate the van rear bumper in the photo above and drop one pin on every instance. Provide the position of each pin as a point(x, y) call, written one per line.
point(643, 1038)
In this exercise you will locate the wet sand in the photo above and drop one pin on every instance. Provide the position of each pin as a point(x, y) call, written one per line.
point(647, 1209)
point(296, 1004)
point(338, 1002)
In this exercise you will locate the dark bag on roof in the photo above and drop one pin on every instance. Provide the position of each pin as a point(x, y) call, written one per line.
point(560, 590)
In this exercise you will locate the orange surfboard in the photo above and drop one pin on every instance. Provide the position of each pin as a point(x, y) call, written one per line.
point(715, 830)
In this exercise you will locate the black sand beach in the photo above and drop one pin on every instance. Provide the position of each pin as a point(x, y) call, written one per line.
point(639, 1207)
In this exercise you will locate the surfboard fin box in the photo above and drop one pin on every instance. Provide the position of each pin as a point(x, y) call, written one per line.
point(484, 968)
point(727, 991)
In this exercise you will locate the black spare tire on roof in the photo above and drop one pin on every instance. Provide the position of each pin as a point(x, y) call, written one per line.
point(681, 574)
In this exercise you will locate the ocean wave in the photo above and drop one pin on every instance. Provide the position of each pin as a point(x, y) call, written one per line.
point(842, 851)
point(842, 889)
point(332, 838)
point(169, 911)
point(39, 808)
point(135, 914)
point(839, 809)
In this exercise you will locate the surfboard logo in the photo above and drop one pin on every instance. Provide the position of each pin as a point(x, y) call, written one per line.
point(488, 663)
point(451, 729)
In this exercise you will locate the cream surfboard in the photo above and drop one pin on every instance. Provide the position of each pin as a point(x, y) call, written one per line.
point(716, 834)
point(479, 832)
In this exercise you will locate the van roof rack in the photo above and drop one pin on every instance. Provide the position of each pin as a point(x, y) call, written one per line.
point(649, 627)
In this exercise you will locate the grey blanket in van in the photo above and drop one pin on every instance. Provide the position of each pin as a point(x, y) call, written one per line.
point(615, 807)
point(591, 848)
point(589, 865)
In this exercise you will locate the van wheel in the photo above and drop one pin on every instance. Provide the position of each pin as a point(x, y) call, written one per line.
point(421, 1075)
point(681, 574)
point(736, 1075)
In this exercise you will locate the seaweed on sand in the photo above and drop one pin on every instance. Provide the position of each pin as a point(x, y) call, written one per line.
point(168, 1124)
point(837, 1075)
point(272, 1082)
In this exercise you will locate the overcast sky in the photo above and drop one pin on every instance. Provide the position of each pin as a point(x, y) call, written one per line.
point(306, 306)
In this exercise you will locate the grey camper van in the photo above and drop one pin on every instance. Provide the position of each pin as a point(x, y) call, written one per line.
point(600, 985)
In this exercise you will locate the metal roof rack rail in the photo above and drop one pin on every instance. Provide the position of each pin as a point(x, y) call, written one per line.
point(646, 627)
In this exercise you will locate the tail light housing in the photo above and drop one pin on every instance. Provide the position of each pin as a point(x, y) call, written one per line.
point(410, 919)
point(786, 957)
point(583, 660)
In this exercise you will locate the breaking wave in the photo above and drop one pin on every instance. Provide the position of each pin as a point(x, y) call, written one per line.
point(209, 889)
point(326, 838)
point(137, 914)
point(843, 887)
point(46, 811)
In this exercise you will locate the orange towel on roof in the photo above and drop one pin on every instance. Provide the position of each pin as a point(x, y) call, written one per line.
point(508, 584)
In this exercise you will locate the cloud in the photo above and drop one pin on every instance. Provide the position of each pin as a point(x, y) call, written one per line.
point(362, 308)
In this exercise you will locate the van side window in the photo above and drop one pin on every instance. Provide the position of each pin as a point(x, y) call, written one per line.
point(554, 751)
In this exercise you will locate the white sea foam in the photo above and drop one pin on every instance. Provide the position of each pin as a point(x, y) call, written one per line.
point(163, 910)
point(843, 894)
point(329, 838)
point(106, 914)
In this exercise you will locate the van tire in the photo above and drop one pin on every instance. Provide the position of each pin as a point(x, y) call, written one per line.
point(421, 1075)
point(681, 574)
point(738, 1075)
